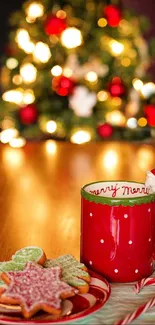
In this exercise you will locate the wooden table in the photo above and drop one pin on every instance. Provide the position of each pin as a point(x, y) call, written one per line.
point(40, 189)
point(40, 202)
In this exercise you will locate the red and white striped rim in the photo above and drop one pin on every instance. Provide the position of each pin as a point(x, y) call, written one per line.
point(81, 306)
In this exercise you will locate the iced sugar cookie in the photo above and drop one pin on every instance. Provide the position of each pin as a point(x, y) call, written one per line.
point(73, 272)
point(36, 288)
point(28, 254)
point(9, 266)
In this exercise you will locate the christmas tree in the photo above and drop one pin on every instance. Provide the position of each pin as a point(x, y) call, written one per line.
point(77, 70)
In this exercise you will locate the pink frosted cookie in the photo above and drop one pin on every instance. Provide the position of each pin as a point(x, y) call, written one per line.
point(36, 288)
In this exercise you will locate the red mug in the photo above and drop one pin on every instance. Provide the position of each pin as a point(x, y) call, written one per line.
point(118, 230)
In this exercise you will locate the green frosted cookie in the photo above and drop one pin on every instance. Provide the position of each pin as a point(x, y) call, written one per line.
point(72, 271)
point(29, 254)
point(9, 266)
point(73, 280)
point(69, 261)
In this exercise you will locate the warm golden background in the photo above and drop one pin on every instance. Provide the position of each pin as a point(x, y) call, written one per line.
point(40, 189)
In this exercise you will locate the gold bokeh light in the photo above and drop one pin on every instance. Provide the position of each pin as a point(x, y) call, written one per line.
point(91, 76)
point(71, 37)
point(80, 137)
point(142, 121)
point(28, 73)
point(116, 118)
point(34, 10)
point(137, 84)
point(17, 79)
point(42, 52)
point(117, 48)
point(11, 63)
point(51, 126)
point(17, 142)
point(56, 70)
point(51, 147)
point(13, 96)
point(7, 135)
point(110, 159)
point(102, 95)
point(102, 22)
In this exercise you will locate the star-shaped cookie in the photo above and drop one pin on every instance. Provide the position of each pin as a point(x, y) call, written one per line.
point(36, 288)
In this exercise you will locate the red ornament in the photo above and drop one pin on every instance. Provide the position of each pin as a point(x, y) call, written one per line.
point(55, 25)
point(63, 86)
point(113, 15)
point(150, 114)
point(105, 130)
point(116, 87)
point(28, 114)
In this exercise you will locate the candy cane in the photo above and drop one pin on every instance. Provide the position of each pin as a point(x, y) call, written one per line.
point(140, 310)
point(144, 282)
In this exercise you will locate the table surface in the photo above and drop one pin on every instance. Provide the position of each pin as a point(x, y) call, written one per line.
point(40, 192)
